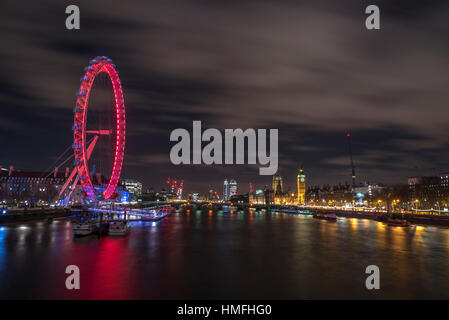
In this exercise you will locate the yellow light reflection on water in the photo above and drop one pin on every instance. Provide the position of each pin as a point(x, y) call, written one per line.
point(366, 223)
point(381, 226)
point(354, 223)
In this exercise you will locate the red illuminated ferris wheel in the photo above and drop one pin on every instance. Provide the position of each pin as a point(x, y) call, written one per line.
point(85, 140)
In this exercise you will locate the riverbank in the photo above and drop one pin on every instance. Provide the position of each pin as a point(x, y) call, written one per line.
point(412, 218)
point(34, 214)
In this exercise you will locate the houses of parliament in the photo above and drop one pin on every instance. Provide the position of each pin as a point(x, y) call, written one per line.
point(282, 196)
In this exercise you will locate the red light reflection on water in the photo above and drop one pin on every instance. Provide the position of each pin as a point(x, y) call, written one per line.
point(106, 274)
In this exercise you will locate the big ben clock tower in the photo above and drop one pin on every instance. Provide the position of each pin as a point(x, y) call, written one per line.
point(301, 180)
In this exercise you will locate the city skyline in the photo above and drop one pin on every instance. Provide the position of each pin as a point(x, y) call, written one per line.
point(396, 115)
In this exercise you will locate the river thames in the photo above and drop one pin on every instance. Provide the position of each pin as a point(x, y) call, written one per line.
point(214, 255)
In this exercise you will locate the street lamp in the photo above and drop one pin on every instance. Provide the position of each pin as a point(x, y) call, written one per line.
point(416, 202)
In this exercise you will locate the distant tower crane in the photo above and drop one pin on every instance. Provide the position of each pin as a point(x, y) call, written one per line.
point(179, 190)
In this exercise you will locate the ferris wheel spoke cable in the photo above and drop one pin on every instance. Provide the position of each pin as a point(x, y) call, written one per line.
point(48, 172)
point(55, 162)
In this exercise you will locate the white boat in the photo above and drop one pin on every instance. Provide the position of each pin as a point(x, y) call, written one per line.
point(84, 228)
point(119, 228)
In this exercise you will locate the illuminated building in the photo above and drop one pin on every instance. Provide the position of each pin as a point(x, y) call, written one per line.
point(279, 195)
point(257, 197)
point(16, 186)
point(430, 191)
point(133, 187)
point(277, 185)
point(301, 184)
point(444, 180)
point(38, 187)
point(330, 195)
point(195, 196)
point(232, 188)
point(226, 190)
point(239, 199)
point(365, 191)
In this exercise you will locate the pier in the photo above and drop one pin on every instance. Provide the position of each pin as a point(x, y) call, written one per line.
point(116, 214)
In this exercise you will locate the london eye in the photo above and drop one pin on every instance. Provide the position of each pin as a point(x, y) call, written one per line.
point(100, 127)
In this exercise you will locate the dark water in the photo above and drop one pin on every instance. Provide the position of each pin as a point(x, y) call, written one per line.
point(214, 255)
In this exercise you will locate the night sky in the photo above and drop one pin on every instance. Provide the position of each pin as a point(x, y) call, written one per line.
point(312, 70)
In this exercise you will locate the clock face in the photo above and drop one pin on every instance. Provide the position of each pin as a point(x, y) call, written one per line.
point(302, 179)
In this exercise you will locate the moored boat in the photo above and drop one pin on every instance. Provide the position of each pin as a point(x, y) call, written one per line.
point(327, 216)
point(398, 223)
point(84, 228)
point(331, 217)
point(119, 228)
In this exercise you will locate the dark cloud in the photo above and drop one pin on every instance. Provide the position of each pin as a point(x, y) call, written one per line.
point(310, 69)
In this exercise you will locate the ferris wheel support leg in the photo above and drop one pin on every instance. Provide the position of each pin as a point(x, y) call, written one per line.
point(74, 171)
point(90, 149)
point(66, 200)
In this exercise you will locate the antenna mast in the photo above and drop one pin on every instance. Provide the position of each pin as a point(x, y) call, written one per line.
point(348, 135)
